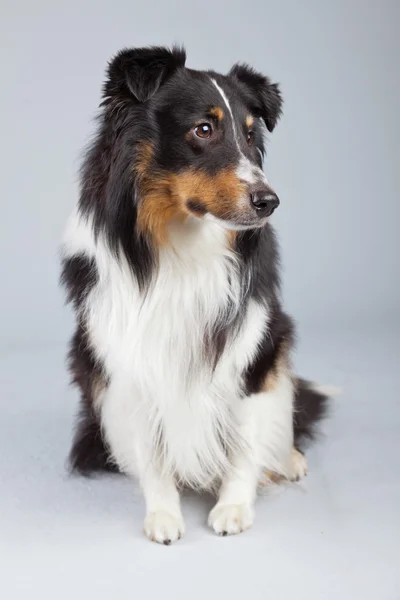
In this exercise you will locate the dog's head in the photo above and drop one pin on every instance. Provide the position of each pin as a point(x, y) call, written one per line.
point(192, 140)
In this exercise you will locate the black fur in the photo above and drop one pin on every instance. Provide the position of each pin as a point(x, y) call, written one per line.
point(78, 275)
point(310, 407)
point(89, 452)
point(141, 71)
point(108, 187)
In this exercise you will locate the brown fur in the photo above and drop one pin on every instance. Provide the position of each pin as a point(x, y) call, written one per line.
point(281, 366)
point(99, 385)
point(220, 194)
point(144, 156)
point(217, 112)
point(295, 474)
point(232, 237)
point(268, 477)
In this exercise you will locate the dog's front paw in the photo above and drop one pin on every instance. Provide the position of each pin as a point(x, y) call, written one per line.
point(227, 519)
point(164, 527)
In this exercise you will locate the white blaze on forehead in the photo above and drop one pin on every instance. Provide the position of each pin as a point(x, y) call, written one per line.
point(228, 106)
point(224, 97)
point(246, 170)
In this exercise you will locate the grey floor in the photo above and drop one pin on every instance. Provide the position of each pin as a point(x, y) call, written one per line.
point(335, 536)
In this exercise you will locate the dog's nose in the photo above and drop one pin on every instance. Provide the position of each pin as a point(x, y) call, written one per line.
point(264, 201)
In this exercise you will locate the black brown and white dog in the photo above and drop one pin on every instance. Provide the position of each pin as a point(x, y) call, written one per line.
point(182, 348)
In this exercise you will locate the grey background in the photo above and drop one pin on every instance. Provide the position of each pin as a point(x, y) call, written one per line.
point(334, 160)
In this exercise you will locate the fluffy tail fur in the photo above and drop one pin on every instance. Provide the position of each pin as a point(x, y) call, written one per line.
point(310, 406)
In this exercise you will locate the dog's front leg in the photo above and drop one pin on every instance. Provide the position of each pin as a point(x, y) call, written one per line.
point(265, 441)
point(133, 447)
point(164, 522)
point(234, 511)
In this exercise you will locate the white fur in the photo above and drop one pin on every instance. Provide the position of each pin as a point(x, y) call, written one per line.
point(78, 236)
point(166, 410)
point(227, 519)
point(163, 527)
point(164, 521)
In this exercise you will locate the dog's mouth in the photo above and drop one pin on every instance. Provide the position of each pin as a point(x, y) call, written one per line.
point(235, 223)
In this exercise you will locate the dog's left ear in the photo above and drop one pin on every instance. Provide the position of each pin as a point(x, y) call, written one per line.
point(264, 97)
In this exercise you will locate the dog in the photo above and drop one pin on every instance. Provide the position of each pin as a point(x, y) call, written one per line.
point(182, 350)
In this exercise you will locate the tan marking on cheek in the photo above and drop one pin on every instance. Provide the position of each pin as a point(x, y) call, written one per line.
point(158, 204)
point(249, 121)
point(220, 194)
point(217, 112)
point(165, 196)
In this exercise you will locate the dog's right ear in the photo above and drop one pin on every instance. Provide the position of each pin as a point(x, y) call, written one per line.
point(265, 99)
point(141, 71)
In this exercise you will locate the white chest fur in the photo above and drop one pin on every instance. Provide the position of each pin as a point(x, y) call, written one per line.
point(153, 345)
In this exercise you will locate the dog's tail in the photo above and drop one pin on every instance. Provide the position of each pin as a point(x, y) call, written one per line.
point(89, 453)
point(311, 404)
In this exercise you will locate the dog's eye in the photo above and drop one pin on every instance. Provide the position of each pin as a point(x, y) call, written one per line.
point(250, 138)
point(204, 130)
